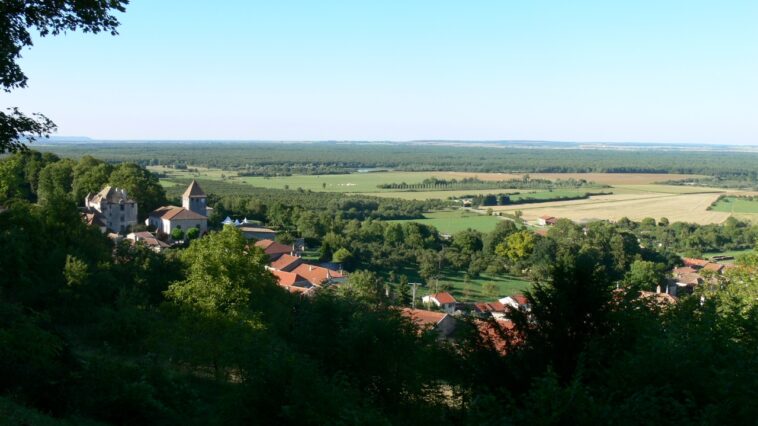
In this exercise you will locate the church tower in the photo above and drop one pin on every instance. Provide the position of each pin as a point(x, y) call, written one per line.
point(193, 199)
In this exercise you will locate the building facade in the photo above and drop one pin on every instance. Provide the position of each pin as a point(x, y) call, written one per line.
point(113, 208)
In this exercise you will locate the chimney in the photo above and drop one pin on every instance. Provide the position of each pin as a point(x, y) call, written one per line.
point(658, 289)
point(310, 267)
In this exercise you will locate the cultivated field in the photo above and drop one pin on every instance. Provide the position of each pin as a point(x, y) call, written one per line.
point(635, 195)
point(686, 207)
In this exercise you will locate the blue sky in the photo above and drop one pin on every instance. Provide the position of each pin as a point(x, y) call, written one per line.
point(645, 71)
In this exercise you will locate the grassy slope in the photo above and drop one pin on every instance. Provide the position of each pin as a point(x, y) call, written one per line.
point(452, 221)
point(736, 205)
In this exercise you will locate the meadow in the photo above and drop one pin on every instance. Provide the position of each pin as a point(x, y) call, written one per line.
point(452, 221)
point(736, 205)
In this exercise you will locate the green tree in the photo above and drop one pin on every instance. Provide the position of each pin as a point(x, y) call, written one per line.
point(55, 179)
point(177, 234)
point(343, 256)
point(141, 185)
point(193, 233)
point(90, 176)
point(517, 247)
point(404, 291)
point(645, 275)
point(364, 286)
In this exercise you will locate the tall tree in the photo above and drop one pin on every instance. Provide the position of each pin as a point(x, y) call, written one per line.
point(141, 185)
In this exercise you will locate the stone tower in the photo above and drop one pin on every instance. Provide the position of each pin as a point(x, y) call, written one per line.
point(193, 199)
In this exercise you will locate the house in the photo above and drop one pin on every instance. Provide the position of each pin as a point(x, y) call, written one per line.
point(441, 323)
point(285, 262)
point(546, 220)
point(256, 233)
point(713, 267)
point(111, 208)
point(147, 239)
point(443, 300)
point(192, 214)
point(293, 282)
point(318, 275)
point(273, 249)
point(495, 309)
point(517, 301)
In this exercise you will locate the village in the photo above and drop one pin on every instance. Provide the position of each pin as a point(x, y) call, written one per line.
point(115, 213)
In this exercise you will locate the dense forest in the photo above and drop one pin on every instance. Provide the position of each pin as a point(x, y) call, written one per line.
point(97, 333)
point(258, 158)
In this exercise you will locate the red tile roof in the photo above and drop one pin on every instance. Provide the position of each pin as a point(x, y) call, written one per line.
point(541, 232)
point(520, 299)
point(490, 307)
point(684, 270)
point(690, 279)
point(546, 217)
point(288, 278)
point(698, 263)
point(316, 275)
point(272, 248)
point(422, 317)
point(176, 213)
point(714, 267)
point(444, 298)
point(286, 262)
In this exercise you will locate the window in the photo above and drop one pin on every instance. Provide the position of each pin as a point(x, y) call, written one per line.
point(122, 209)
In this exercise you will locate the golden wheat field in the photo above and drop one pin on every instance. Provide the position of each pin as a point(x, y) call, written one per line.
point(685, 207)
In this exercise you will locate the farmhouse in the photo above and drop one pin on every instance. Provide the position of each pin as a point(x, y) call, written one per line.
point(286, 262)
point(547, 220)
point(495, 309)
point(110, 209)
point(273, 249)
point(147, 239)
point(319, 276)
point(517, 301)
point(443, 300)
point(443, 324)
point(293, 282)
point(192, 214)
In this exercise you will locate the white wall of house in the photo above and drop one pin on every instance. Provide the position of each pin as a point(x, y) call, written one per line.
point(184, 224)
point(116, 216)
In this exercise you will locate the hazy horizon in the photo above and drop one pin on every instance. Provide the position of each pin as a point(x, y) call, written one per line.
point(584, 72)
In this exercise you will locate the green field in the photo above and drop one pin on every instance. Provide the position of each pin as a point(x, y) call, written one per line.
point(733, 253)
point(507, 286)
point(736, 205)
point(452, 221)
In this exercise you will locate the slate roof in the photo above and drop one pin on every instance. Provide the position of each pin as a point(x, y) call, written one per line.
point(111, 195)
